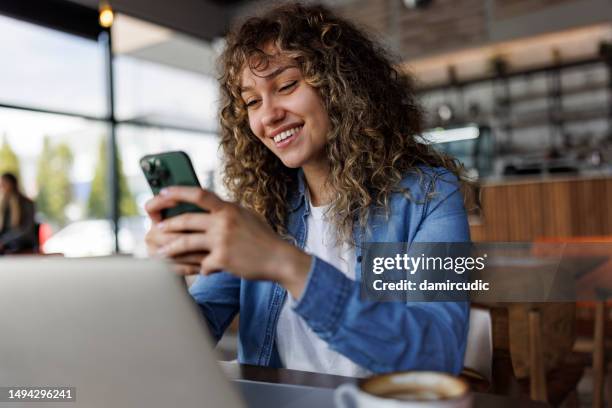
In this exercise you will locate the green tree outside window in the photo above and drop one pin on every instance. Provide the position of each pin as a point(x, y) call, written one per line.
point(53, 179)
point(9, 162)
point(99, 197)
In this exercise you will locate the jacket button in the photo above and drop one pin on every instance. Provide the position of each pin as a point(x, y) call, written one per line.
point(359, 259)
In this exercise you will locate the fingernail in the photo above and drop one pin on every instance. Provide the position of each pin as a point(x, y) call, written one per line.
point(162, 225)
point(162, 250)
point(164, 191)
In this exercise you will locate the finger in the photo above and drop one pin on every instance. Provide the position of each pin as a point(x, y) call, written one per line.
point(183, 269)
point(186, 222)
point(206, 273)
point(205, 199)
point(185, 244)
point(209, 266)
point(190, 259)
point(158, 238)
point(155, 205)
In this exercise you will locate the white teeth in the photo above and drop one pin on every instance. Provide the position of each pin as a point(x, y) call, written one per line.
point(286, 134)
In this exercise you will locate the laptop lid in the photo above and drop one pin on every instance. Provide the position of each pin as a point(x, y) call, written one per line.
point(123, 332)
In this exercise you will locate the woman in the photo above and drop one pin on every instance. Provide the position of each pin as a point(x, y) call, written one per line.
point(17, 226)
point(318, 133)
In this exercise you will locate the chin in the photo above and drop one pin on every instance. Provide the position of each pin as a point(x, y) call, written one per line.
point(292, 160)
point(292, 164)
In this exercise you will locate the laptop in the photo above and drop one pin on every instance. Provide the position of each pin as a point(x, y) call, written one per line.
point(120, 332)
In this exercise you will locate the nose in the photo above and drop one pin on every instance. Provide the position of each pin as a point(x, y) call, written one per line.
point(272, 114)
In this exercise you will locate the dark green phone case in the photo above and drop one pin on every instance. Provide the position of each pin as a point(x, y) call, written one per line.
point(170, 169)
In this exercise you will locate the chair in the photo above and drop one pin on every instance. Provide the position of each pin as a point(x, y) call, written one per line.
point(599, 318)
point(532, 345)
point(479, 349)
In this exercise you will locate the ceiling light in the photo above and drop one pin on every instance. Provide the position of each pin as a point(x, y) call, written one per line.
point(107, 16)
point(416, 4)
point(445, 112)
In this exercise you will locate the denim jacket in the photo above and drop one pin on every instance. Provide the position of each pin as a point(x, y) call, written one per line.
point(380, 336)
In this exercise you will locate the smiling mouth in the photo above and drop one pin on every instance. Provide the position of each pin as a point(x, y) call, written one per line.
point(287, 136)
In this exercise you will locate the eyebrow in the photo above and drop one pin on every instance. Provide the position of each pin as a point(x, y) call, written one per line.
point(271, 75)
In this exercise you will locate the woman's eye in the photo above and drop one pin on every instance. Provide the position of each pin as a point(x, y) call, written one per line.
point(288, 86)
point(252, 102)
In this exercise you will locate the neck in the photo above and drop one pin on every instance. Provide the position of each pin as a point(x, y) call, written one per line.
point(316, 179)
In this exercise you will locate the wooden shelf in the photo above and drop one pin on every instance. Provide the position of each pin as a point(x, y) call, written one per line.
point(542, 117)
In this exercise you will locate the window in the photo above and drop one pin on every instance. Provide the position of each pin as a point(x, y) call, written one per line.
point(163, 77)
point(48, 69)
point(55, 128)
point(59, 172)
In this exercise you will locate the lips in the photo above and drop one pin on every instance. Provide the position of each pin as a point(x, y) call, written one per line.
point(285, 137)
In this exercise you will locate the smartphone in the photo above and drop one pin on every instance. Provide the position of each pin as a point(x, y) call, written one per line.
point(170, 169)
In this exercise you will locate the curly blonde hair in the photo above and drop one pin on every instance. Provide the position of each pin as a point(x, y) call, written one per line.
point(373, 113)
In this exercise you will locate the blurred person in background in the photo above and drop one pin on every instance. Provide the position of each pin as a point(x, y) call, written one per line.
point(320, 137)
point(17, 226)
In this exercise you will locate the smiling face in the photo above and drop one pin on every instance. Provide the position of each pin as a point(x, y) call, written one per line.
point(286, 113)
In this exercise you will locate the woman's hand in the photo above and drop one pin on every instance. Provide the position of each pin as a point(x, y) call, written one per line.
point(234, 238)
point(156, 238)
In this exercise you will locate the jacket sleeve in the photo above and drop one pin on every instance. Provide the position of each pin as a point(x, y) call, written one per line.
point(218, 296)
point(392, 336)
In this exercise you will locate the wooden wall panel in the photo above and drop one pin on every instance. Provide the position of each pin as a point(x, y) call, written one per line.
point(371, 14)
point(444, 25)
point(607, 205)
point(534, 219)
point(585, 218)
point(514, 8)
point(491, 219)
point(527, 211)
point(555, 207)
point(451, 25)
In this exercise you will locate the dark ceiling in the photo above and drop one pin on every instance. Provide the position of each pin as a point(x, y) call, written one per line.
point(205, 19)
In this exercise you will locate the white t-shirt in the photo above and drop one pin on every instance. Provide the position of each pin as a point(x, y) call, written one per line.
point(299, 347)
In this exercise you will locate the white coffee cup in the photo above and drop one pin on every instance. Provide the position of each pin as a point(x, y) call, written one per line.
point(411, 389)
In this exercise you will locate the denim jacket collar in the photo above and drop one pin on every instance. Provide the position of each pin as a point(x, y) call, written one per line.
point(297, 195)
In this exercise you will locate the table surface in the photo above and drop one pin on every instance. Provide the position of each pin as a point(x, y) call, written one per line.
point(237, 371)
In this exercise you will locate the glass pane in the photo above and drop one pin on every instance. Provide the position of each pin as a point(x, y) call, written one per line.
point(49, 69)
point(133, 142)
point(163, 77)
point(61, 164)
